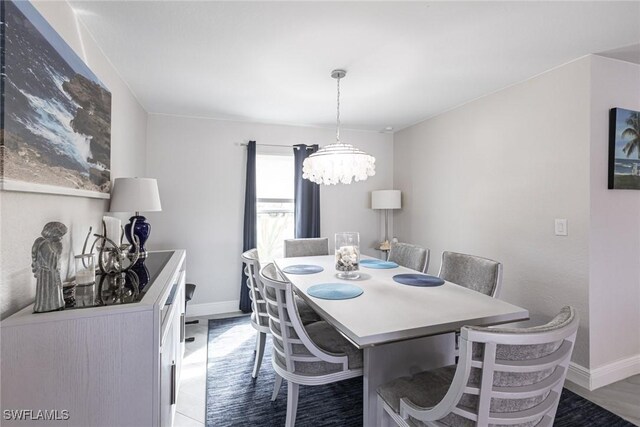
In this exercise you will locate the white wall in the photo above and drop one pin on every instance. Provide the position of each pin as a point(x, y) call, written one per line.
point(22, 215)
point(489, 177)
point(614, 261)
point(200, 168)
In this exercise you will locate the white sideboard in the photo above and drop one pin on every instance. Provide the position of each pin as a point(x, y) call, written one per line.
point(114, 365)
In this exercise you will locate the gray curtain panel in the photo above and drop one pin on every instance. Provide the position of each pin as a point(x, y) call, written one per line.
point(307, 196)
point(250, 238)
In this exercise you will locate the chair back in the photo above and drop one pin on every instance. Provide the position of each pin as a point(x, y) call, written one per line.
point(293, 351)
point(306, 247)
point(510, 375)
point(258, 304)
point(409, 256)
point(479, 274)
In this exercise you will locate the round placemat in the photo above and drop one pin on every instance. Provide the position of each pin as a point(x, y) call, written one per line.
point(334, 291)
point(370, 261)
point(379, 264)
point(418, 280)
point(303, 269)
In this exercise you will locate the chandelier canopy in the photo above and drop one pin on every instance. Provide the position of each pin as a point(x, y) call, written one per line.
point(338, 163)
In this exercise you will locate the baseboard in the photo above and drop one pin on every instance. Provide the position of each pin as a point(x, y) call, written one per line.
point(210, 308)
point(615, 371)
point(579, 375)
point(592, 379)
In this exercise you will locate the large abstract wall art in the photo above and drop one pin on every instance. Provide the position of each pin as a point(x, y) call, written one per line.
point(56, 114)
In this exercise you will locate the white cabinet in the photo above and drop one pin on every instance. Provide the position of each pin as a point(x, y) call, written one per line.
point(115, 365)
point(168, 385)
point(171, 352)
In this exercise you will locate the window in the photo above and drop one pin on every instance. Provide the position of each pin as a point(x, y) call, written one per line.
point(275, 193)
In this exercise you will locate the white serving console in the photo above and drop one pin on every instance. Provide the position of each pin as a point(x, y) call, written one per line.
point(111, 365)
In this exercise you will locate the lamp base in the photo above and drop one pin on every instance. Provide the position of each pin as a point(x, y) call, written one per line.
point(141, 229)
point(141, 255)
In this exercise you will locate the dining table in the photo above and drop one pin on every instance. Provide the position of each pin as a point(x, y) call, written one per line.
point(401, 329)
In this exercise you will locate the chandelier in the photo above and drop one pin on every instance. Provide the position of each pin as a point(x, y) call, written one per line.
point(338, 163)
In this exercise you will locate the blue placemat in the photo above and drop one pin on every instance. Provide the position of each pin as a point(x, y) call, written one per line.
point(303, 269)
point(418, 280)
point(378, 263)
point(334, 291)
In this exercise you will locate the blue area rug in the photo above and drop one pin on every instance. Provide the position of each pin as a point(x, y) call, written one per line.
point(235, 399)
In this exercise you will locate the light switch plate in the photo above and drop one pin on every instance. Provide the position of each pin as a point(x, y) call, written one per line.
point(561, 227)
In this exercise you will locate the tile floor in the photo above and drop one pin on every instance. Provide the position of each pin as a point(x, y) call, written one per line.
point(190, 407)
point(621, 398)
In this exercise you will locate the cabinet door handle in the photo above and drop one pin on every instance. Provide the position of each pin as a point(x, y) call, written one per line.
point(173, 383)
point(182, 327)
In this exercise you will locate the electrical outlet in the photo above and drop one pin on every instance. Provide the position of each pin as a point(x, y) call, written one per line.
point(561, 227)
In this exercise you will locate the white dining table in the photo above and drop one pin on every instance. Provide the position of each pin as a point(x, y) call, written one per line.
point(401, 329)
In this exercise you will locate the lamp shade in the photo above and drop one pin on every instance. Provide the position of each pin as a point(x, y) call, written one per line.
point(386, 199)
point(135, 195)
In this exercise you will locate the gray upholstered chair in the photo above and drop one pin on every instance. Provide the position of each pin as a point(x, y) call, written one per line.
point(306, 247)
point(259, 316)
point(312, 354)
point(479, 274)
point(410, 256)
point(504, 376)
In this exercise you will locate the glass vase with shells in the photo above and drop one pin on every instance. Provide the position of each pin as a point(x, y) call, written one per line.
point(347, 255)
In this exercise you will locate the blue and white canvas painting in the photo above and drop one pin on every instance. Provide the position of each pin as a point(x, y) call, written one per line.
point(56, 114)
point(624, 149)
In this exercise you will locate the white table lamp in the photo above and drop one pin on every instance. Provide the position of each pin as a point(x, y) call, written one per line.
point(387, 200)
point(136, 195)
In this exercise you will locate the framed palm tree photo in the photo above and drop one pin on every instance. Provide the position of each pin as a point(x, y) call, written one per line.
point(624, 149)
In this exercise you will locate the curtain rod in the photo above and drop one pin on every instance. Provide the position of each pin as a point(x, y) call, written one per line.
point(244, 144)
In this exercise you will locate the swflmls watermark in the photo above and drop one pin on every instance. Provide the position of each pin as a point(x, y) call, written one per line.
point(35, 414)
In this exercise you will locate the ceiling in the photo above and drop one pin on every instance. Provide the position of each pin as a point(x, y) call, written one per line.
point(406, 61)
point(630, 53)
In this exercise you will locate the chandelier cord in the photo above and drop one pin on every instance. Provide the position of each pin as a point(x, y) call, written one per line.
point(338, 114)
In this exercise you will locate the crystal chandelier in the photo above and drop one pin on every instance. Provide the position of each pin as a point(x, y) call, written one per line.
point(338, 163)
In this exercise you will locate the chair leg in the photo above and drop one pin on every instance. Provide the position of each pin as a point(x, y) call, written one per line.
point(276, 387)
point(292, 403)
point(261, 340)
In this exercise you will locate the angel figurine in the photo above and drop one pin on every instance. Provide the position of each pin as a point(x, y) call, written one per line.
point(45, 264)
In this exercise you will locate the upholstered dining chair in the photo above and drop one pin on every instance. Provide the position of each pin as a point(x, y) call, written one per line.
point(479, 274)
point(504, 376)
point(411, 256)
point(306, 247)
point(312, 354)
point(259, 316)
